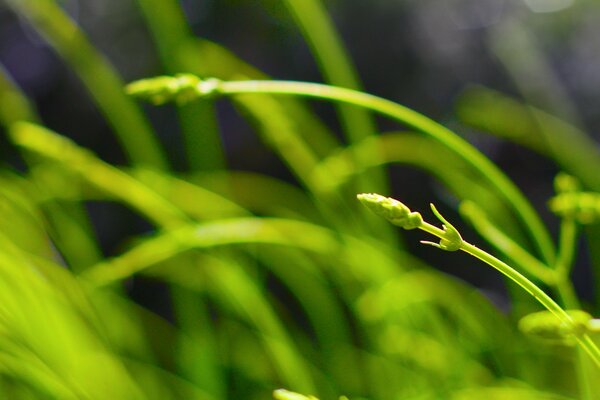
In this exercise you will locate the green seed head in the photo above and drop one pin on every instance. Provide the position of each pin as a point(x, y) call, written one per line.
point(181, 88)
point(392, 210)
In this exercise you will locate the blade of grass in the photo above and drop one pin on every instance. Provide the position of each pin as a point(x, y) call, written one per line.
point(217, 61)
point(500, 115)
point(280, 132)
point(102, 82)
point(246, 230)
point(103, 176)
point(14, 105)
point(22, 219)
point(194, 200)
point(334, 62)
point(505, 188)
point(239, 289)
point(80, 249)
point(197, 355)
point(74, 357)
point(309, 290)
point(428, 154)
point(171, 31)
point(247, 189)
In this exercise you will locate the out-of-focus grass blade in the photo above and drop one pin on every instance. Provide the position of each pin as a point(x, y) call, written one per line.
point(280, 132)
point(239, 291)
point(14, 105)
point(80, 249)
point(20, 195)
point(197, 352)
point(319, 299)
point(219, 62)
point(248, 189)
point(422, 152)
point(103, 176)
point(21, 218)
point(305, 280)
point(196, 201)
point(271, 231)
point(170, 30)
point(335, 64)
point(308, 288)
point(506, 393)
point(149, 342)
point(102, 82)
point(497, 114)
point(67, 222)
point(52, 346)
point(230, 231)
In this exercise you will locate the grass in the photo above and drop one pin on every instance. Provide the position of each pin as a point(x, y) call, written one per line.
point(265, 284)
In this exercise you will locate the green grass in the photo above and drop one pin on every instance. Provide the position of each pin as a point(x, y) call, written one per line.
point(271, 284)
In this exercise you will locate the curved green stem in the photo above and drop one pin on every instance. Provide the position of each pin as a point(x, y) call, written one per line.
point(506, 245)
point(584, 340)
point(450, 240)
point(506, 188)
point(566, 246)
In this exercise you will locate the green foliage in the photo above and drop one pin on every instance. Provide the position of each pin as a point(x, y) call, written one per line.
point(270, 283)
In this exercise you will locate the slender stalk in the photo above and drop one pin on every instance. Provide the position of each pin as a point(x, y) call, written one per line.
point(450, 240)
point(584, 340)
point(170, 31)
point(566, 246)
point(337, 69)
point(506, 245)
point(531, 221)
point(564, 262)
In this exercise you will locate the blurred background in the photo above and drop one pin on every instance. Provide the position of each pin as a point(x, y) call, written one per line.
point(463, 63)
point(422, 54)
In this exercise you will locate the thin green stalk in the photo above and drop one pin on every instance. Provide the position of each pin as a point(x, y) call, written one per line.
point(280, 131)
point(506, 188)
point(450, 240)
point(196, 354)
point(506, 245)
point(96, 73)
point(566, 246)
point(336, 66)
point(566, 252)
point(171, 32)
point(566, 291)
point(510, 273)
point(557, 278)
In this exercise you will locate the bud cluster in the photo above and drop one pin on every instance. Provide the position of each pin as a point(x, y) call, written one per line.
point(392, 210)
